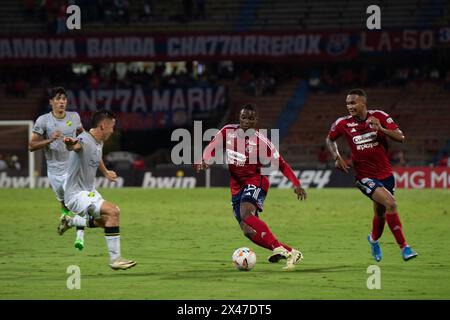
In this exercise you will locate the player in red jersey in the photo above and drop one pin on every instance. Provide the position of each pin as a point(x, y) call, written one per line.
point(246, 152)
point(366, 132)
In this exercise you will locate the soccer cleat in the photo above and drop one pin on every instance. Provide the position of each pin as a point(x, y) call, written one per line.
point(64, 225)
point(79, 244)
point(408, 253)
point(122, 264)
point(292, 259)
point(278, 254)
point(375, 248)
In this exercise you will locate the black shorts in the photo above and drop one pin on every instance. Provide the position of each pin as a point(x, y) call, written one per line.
point(368, 185)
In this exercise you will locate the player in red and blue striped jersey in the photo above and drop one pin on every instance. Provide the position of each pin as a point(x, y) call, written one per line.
point(247, 150)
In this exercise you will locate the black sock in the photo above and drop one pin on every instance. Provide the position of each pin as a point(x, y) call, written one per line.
point(112, 231)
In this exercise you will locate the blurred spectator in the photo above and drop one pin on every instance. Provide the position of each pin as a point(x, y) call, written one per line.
point(397, 158)
point(123, 10)
point(14, 162)
point(139, 164)
point(61, 19)
point(444, 161)
point(200, 14)
point(323, 157)
point(94, 80)
point(147, 10)
point(20, 88)
point(3, 164)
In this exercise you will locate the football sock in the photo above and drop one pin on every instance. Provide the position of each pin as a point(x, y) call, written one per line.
point(395, 225)
point(112, 236)
point(377, 227)
point(78, 221)
point(80, 233)
point(263, 236)
point(286, 246)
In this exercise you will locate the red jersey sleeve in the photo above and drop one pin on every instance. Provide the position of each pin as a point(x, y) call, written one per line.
point(386, 120)
point(217, 142)
point(335, 130)
point(274, 155)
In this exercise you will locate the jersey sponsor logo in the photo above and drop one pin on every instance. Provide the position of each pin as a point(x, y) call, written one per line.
point(364, 138)
point(236, 158)
point(231, 135)
point(352, 124)
point(366, 146)
point(68, 123)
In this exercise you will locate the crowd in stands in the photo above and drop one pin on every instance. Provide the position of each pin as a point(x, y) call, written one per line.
point(9, 161)
point(53, 12)
point(334, 79)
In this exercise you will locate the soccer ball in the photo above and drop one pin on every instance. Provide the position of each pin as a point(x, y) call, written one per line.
point(244, 259)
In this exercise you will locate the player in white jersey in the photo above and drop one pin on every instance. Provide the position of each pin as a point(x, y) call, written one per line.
point(80, 195)
point(48, 132)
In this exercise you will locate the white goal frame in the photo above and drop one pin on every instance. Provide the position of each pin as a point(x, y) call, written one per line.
point(31, 161)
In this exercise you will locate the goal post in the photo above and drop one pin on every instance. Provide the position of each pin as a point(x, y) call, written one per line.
point(12, 143)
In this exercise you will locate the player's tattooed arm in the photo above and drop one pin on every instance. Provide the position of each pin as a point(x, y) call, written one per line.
point(396, 134)
point(339, 162)
point(38, 142)
point(72, 144)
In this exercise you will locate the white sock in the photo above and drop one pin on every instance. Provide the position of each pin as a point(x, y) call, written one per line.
point(78, 221)
point(113, 244)
point(80, 234)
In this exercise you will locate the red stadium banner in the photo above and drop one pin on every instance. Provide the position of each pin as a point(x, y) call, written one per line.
point(180, 46)
point(238, 46)
point(422, 177)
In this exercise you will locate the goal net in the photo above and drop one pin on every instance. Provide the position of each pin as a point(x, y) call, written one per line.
point(17, 164)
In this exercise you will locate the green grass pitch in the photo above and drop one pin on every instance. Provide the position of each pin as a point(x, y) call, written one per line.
point(183, 241)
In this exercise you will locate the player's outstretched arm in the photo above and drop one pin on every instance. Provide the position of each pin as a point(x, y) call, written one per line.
point(339, 161)
point(38, 142)
point(72, 144)
point(300, 192)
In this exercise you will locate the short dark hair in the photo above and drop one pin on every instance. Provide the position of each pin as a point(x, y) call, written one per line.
point(358, 92)
point(249, 106)
point(100, 115)
point(55, 91)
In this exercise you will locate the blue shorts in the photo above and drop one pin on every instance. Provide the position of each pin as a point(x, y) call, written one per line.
point(368, 185)
point(249, 193)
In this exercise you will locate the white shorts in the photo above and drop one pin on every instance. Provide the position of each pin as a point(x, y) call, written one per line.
point(57, 184)
point(86, 202)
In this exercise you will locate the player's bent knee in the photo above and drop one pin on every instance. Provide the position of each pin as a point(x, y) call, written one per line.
point(391, 205)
